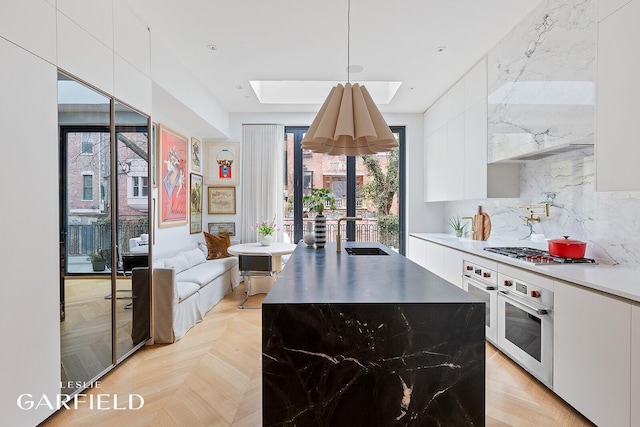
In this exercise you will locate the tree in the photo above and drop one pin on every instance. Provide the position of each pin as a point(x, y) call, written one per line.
point(384, 185)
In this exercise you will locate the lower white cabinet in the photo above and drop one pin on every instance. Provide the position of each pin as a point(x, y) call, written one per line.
point(440, 260)
point(635, 365)
point(592, 354)
point(417, 251)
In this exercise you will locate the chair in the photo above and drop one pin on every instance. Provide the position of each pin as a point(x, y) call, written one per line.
point(254, 266)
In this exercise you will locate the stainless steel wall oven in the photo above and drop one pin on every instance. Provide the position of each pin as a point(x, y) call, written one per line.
point(519, 318)
point(525, 325)
point(482, 282)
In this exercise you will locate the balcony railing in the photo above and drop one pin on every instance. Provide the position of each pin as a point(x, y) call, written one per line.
point(86, 239)
point(368, 231)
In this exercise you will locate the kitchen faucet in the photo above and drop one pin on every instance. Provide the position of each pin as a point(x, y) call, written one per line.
point(535, 216)
point(345, 218)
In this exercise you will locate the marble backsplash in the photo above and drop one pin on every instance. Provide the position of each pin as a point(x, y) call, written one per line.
point(603, 219)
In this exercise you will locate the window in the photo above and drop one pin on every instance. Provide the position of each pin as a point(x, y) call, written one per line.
point(87, 187)
point(140, 186)
point(87, 145)
point(338, 185)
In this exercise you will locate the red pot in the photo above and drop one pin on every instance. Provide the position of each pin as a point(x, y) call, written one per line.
point(567, 248)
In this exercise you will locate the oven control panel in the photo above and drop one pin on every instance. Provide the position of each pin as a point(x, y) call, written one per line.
point(480, 273)
point(527, 290)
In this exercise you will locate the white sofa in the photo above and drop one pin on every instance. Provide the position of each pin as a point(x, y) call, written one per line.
point(185, 287)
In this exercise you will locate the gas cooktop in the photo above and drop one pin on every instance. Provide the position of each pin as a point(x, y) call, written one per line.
point(537, 256)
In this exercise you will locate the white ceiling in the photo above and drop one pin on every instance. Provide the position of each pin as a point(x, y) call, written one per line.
point(307, 40)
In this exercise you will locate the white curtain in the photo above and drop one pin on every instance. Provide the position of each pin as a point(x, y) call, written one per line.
point(262, 149)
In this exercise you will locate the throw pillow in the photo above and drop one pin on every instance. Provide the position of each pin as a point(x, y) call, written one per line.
point(195, 257)
point(178, 262)
point(217, 245)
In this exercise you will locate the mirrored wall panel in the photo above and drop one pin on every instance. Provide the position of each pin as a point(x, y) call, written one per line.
point(104, 232)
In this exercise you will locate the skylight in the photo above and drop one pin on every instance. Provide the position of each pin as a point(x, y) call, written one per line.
point(315, 92)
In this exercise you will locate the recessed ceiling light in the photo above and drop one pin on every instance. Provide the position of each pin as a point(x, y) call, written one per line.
point(212, 47)
point(239, 87)
point(441, 49)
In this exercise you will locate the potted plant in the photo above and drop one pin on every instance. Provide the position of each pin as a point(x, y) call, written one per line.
point(456, 223)
point(315, 201)
point(265, 230)
point(98, 261)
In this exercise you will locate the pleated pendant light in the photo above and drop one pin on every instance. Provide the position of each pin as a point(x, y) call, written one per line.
point(349, 122)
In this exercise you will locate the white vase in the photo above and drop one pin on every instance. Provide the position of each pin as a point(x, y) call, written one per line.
point(266, 240)
point(309, 238)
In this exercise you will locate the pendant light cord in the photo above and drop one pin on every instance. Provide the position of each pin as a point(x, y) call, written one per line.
point(348, 40)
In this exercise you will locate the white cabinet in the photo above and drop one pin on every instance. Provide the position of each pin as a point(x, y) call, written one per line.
point(441, 260)
point(455, 155)
point(618, 91)
point(475, 151)
point(435, 155)
point(417, 251)
point(635, 365)
point(454, 165)
point(452, 266)
point(592, 352)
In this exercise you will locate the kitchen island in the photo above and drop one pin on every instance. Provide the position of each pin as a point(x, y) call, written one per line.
point(370, 340)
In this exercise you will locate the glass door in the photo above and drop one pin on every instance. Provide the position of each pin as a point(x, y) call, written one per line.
point(368, 186)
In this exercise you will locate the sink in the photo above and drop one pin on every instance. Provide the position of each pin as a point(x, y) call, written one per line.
point(365, 251)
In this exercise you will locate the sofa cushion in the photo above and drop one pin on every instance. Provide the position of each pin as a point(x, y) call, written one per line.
point(203, 274)
point(195, 257)
point(186, 289)
point(178, 262)
point(217, 245)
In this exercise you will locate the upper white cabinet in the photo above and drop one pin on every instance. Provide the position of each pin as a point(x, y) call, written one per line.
point(618, 92)
point(455, 100)
point(455, 162)
point(592, 354)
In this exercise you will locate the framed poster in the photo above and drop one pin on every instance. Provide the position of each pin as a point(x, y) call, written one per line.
point(172, 179)
point(222, 163)
point(195, 204)
point(222, 200)
point(196, 155)
point(154, 155)
point(222, 227)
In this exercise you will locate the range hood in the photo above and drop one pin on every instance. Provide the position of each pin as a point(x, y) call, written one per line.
point(547, 152)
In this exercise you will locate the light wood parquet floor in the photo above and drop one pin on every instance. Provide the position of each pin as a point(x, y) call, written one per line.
point(212, 377)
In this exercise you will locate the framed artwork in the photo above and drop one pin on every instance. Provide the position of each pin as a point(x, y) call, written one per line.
point(196, 155)
point(222, 227)
point(222, 163)
point(222, 200)
point(172, 178)
point(195, 204)
point(154, 155)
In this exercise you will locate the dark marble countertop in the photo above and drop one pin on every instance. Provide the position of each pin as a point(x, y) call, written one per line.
point(316, 276)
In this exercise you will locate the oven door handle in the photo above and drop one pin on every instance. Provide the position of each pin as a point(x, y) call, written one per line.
point(540, 311)
point(479, 285)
